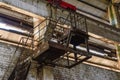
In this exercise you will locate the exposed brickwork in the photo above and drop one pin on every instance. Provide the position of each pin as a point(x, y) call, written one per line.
point(80, 72)
point(6, 55)
point(85, 72)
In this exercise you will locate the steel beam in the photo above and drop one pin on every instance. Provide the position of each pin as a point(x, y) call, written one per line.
point(92, 14)
point(93, 6)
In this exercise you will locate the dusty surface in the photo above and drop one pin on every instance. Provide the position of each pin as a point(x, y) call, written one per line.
point(85, 72)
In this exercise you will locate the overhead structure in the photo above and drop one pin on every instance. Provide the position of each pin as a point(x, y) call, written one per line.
point(64, 34)
point(63, 40)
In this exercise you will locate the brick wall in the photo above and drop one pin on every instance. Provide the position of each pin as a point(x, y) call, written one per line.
point(80, 72)
point(6, 55)
point(85, 72)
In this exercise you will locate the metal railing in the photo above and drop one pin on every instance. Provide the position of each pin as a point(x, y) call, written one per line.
point(24, 43)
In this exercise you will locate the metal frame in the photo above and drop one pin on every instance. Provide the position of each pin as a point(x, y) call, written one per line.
point(77, 23)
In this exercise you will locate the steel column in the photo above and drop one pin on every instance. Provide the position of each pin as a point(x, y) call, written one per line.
point(118, 54)
point(113, 15)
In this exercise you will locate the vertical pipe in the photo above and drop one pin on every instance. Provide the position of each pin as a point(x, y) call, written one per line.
point(113, 15)
point(47, 73)
point(68, 63)
point(114, 20)
point(118, 54)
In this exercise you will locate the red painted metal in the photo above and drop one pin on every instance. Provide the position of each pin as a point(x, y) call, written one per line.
point(63, 4)
point(67, 6)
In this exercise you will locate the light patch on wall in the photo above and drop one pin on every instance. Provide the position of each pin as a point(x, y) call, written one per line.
point(2, 25)
point(9, 27)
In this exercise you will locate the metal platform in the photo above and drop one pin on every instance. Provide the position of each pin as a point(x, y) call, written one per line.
point(58, 52)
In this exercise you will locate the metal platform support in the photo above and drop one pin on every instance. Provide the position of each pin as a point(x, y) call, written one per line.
point(47, 73)
point(64, 34)
point(44, 73)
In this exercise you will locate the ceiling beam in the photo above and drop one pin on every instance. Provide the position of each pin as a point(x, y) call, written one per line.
point(92, 14)
point(96, 7)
